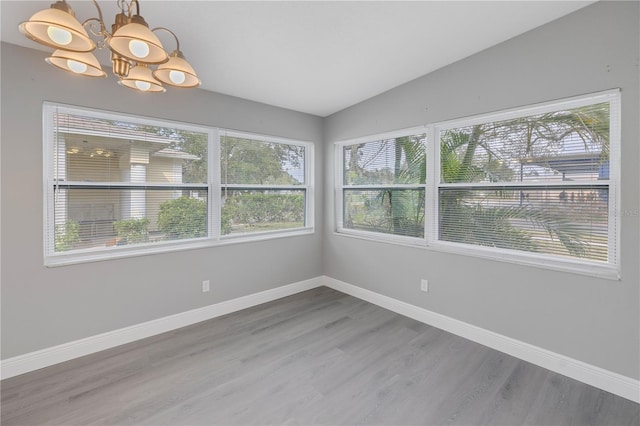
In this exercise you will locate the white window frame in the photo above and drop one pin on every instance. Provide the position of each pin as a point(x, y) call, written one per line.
point(213, 186)
point(608, 270)
point(341, 186)
point(307, 186)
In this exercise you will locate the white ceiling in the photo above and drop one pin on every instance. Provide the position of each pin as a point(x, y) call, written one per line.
point(317, 57)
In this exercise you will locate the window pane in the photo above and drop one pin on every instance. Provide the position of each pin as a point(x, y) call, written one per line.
point(391, 161)
point(248, 161)
point(89, 149)
point(391, 211)
point(247, 211)
point(95, 217)
point(565, 145)
point(568, 222)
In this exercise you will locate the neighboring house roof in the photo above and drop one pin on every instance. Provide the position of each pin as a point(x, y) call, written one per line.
point(589, 162)
point(174, 153)
point(90, 126)
point(112, 129)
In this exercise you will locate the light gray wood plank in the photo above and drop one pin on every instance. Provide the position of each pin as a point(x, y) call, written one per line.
point(318, 357)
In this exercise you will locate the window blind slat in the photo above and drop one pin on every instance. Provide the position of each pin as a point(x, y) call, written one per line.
point(399, 160)
point(537, 183)
point(119, 183)
point(384, 185)
point(257, 162)
point(96, 217)
point(246, 211)
point(566, 223)
point(96, 150)
point(389, 211)
point(263, 185)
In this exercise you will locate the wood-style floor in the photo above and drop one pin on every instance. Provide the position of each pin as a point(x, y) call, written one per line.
point(318, 357)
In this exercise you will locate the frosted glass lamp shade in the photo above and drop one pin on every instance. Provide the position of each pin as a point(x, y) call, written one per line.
point(141, 79)
point(138, 43)
point(81, 63)
point(177, 72)
point(58, 29)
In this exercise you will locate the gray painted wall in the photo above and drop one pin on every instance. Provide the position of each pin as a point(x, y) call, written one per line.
point(593, 320)
point(42, 307)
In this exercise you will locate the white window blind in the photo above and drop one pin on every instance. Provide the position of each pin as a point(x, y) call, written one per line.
point(113, 182)
point(119, 185)
point(265, 184)
point(383, 185)
point(535, 185)
point(536, 182)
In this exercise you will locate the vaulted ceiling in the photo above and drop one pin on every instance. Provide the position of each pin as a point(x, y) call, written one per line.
point(317, 57)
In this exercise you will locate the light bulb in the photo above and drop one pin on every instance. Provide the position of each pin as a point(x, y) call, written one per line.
point(75, 66)
point(59, 35)
point(177, 77)
point(143, 85)
point(140, 49)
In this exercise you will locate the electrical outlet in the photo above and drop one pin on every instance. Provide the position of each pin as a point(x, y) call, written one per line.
point(424, 285)
point(205, 286)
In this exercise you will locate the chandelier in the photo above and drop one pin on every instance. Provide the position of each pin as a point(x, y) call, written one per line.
point(134, 47)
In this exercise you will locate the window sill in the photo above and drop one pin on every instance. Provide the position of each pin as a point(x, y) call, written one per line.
point(101, 254)
point(383, 238)
point(535, 260)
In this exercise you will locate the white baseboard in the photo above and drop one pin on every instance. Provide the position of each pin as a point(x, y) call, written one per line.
point(609, 381)
point(49, 356)
point(595, 376)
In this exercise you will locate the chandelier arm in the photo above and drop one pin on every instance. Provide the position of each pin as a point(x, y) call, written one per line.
point(122, 4)
point(170, 32)
point(131, 3)
point(100, 19)
point(102, 32)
